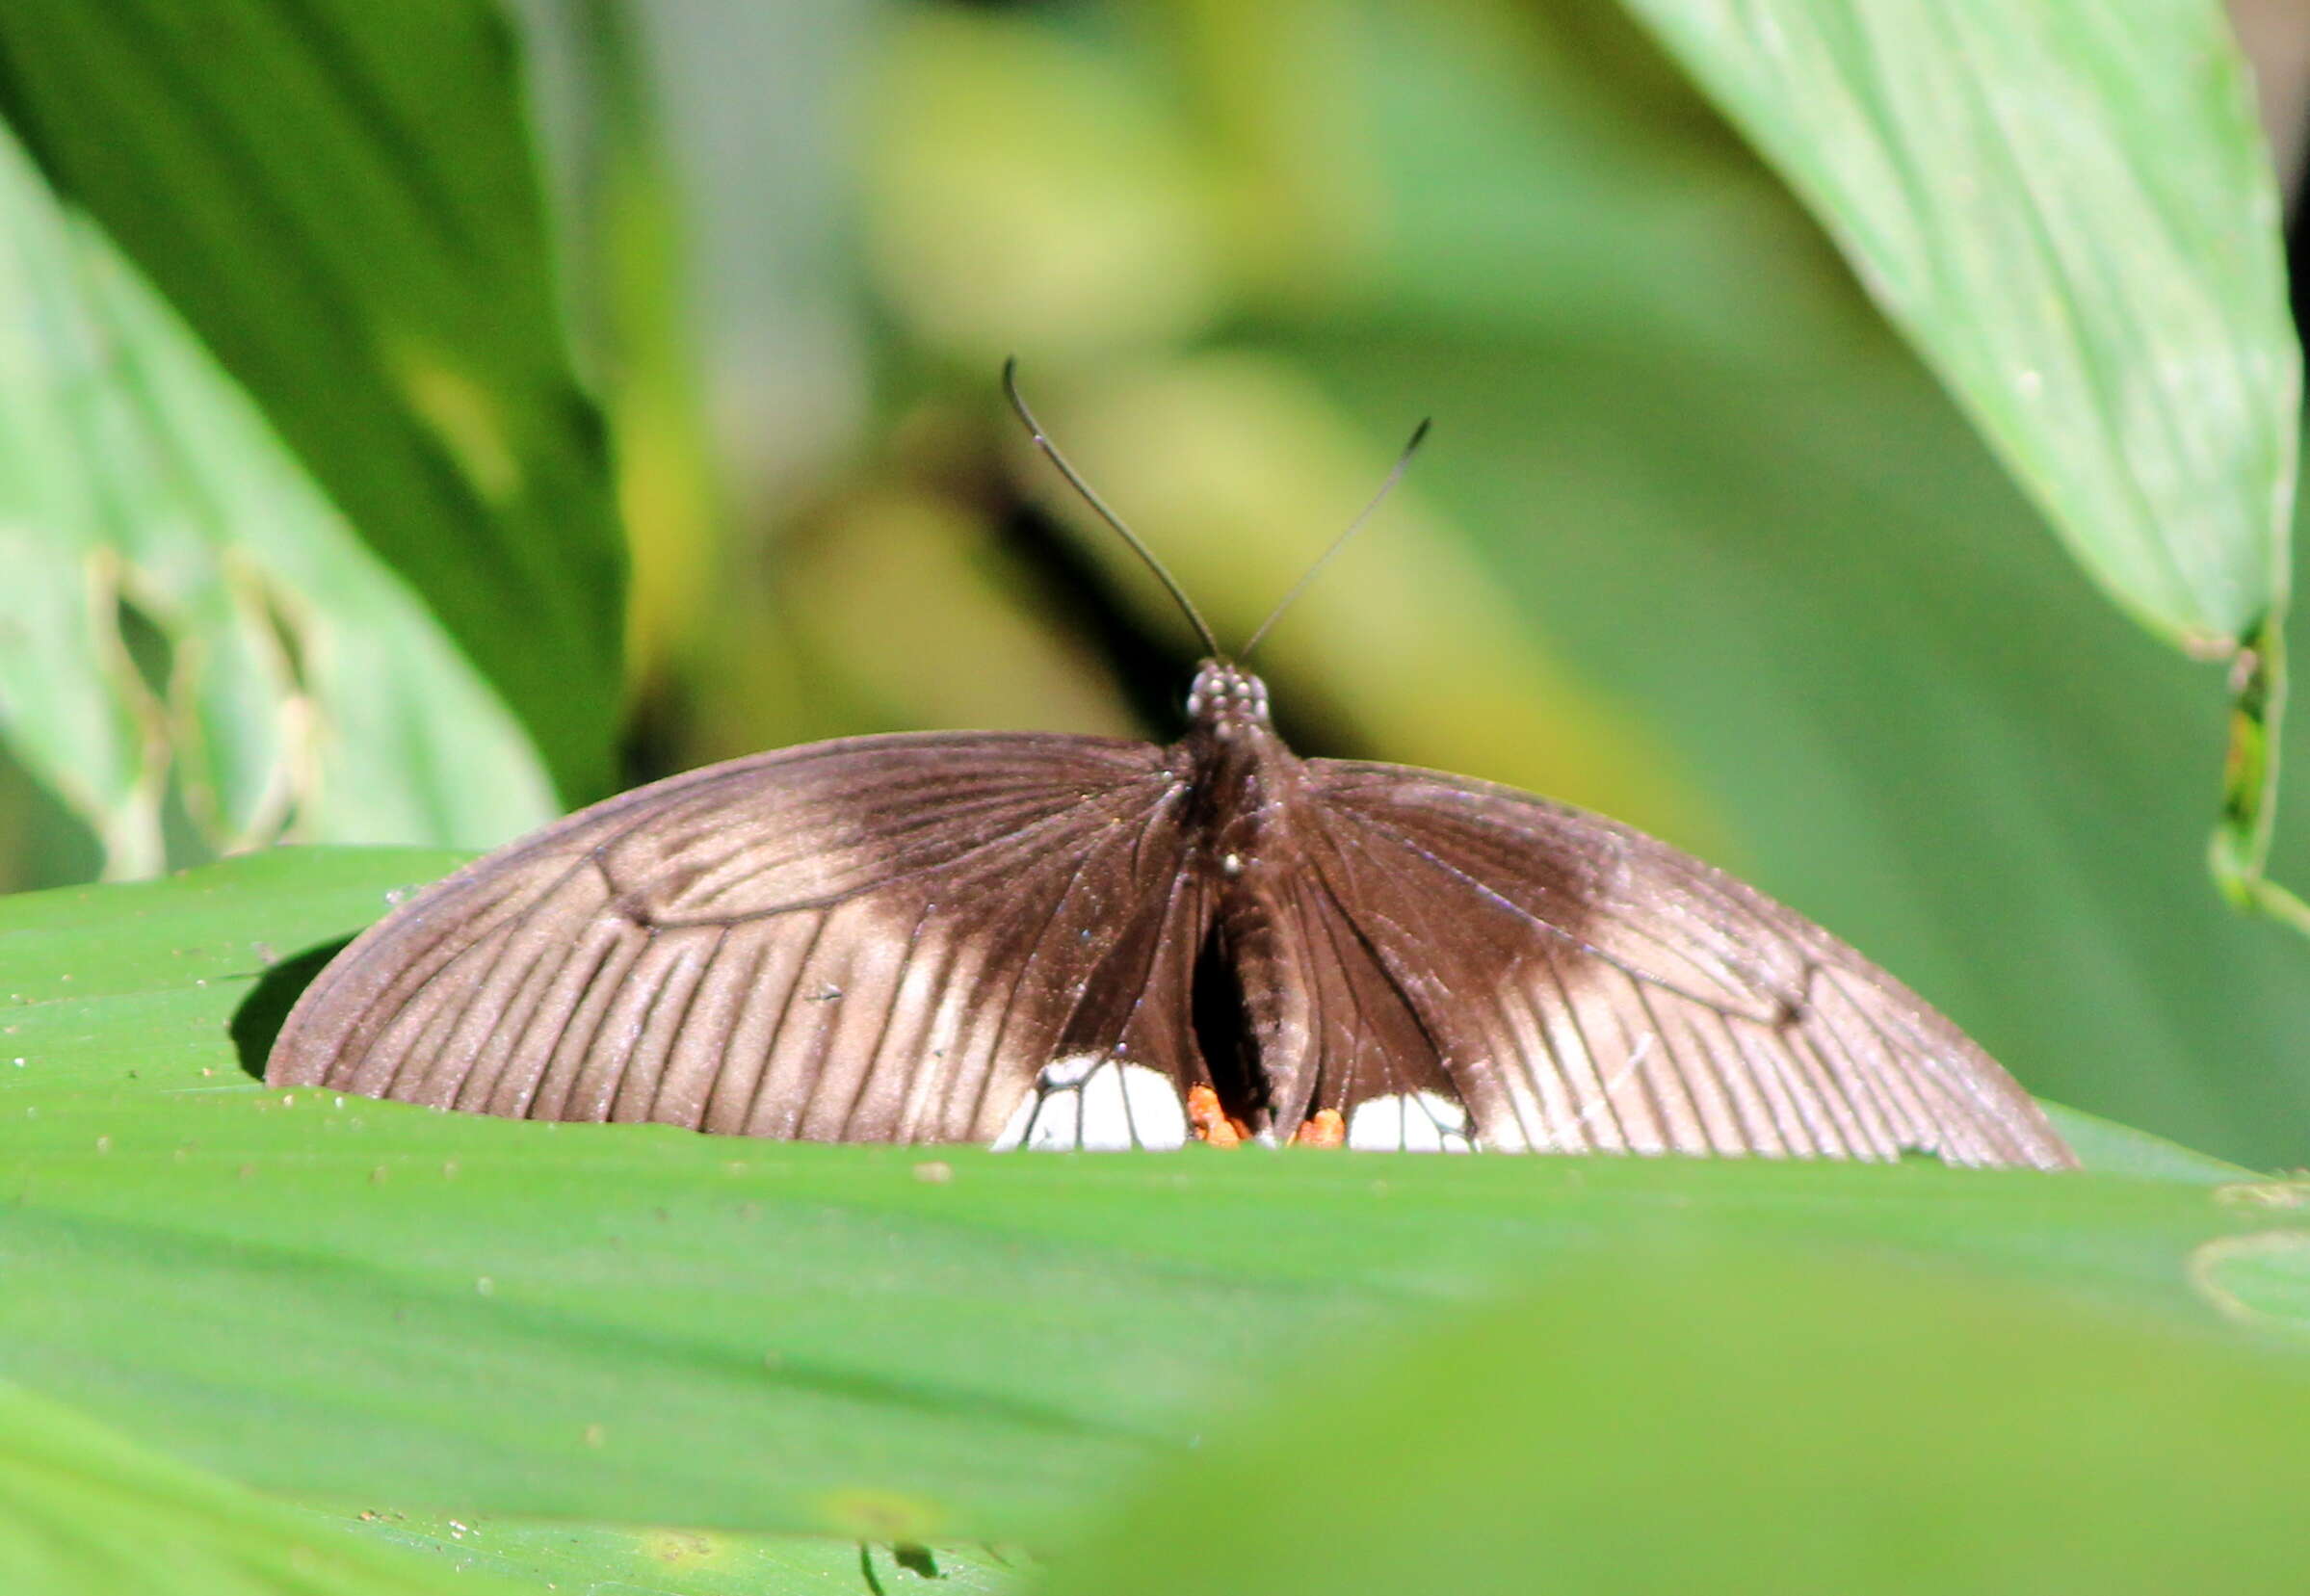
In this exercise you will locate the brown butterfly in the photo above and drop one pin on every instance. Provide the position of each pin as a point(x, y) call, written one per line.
point(1054, 941)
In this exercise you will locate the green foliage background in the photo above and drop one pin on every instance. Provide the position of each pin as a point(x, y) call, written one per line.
point(417, 419)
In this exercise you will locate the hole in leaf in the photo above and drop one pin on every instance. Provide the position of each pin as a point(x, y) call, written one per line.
point(150, 650)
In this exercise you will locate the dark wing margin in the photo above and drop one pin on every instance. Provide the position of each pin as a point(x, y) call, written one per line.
point(1591, 989)
point(877, 939)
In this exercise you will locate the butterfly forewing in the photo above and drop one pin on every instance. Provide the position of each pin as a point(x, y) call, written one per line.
point(1591, 989)
point(880, 939)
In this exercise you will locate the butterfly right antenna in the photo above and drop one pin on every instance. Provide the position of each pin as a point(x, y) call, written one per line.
point(1419, 435)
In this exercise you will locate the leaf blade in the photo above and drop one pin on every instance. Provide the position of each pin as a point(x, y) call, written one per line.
point(287, 673)
point(2068, 212)
point(632, 1322)
point(1749, 1421)
point(86, 1510)
point(354, 230)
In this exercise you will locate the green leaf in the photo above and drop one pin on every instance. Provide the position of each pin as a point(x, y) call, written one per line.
point(623, 228)
point(559, 1555)
point(2069, 212)
point(85, 1513)
point(2120, 1149)
point(348, 219)
point(1666, 1412)
point(349, 1299)
point(288, 684)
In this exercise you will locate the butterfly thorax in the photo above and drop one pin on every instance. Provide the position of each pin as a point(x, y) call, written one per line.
point(1245, 781)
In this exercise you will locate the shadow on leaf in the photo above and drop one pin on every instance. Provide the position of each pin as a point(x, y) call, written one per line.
point(261, 1014)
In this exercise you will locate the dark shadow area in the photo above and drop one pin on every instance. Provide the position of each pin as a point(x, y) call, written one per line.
point(1081, 597)
point(914, 1559)
point(42, 842)
point(2297, 257)
point(259, 1018)
point(1222, 1016)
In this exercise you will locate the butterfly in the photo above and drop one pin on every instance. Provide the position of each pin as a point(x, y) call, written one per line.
point(1047, 941)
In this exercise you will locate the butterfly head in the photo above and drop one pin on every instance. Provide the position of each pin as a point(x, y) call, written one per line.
point(1225, 697)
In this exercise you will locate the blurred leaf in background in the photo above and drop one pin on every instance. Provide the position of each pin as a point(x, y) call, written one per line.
point(197, 655)
point(2070, 213)
point(338, 199)
point(1925, 1433)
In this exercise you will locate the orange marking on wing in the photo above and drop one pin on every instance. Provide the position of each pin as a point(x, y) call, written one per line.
point(1323, 1128)
point(1212, 1121)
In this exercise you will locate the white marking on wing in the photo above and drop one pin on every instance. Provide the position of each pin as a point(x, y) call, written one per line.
point(1099, 1106)
point(1410, 1123)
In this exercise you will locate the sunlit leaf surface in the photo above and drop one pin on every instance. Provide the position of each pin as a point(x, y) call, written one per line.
point(561, 1554)
point(85, 1513)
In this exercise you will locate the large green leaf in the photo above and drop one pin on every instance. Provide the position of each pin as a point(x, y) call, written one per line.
point(2068, 209)
point(288, 683)
point(85, 1513)
point(338, 199)
point(1665, 1416)
point(327, 1295)
point(2070, 212)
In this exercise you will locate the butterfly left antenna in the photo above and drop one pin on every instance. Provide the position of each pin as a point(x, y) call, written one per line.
point(1187, 606)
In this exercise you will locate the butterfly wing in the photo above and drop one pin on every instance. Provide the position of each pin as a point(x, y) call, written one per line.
point(882, 939)
point(1588, 987)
